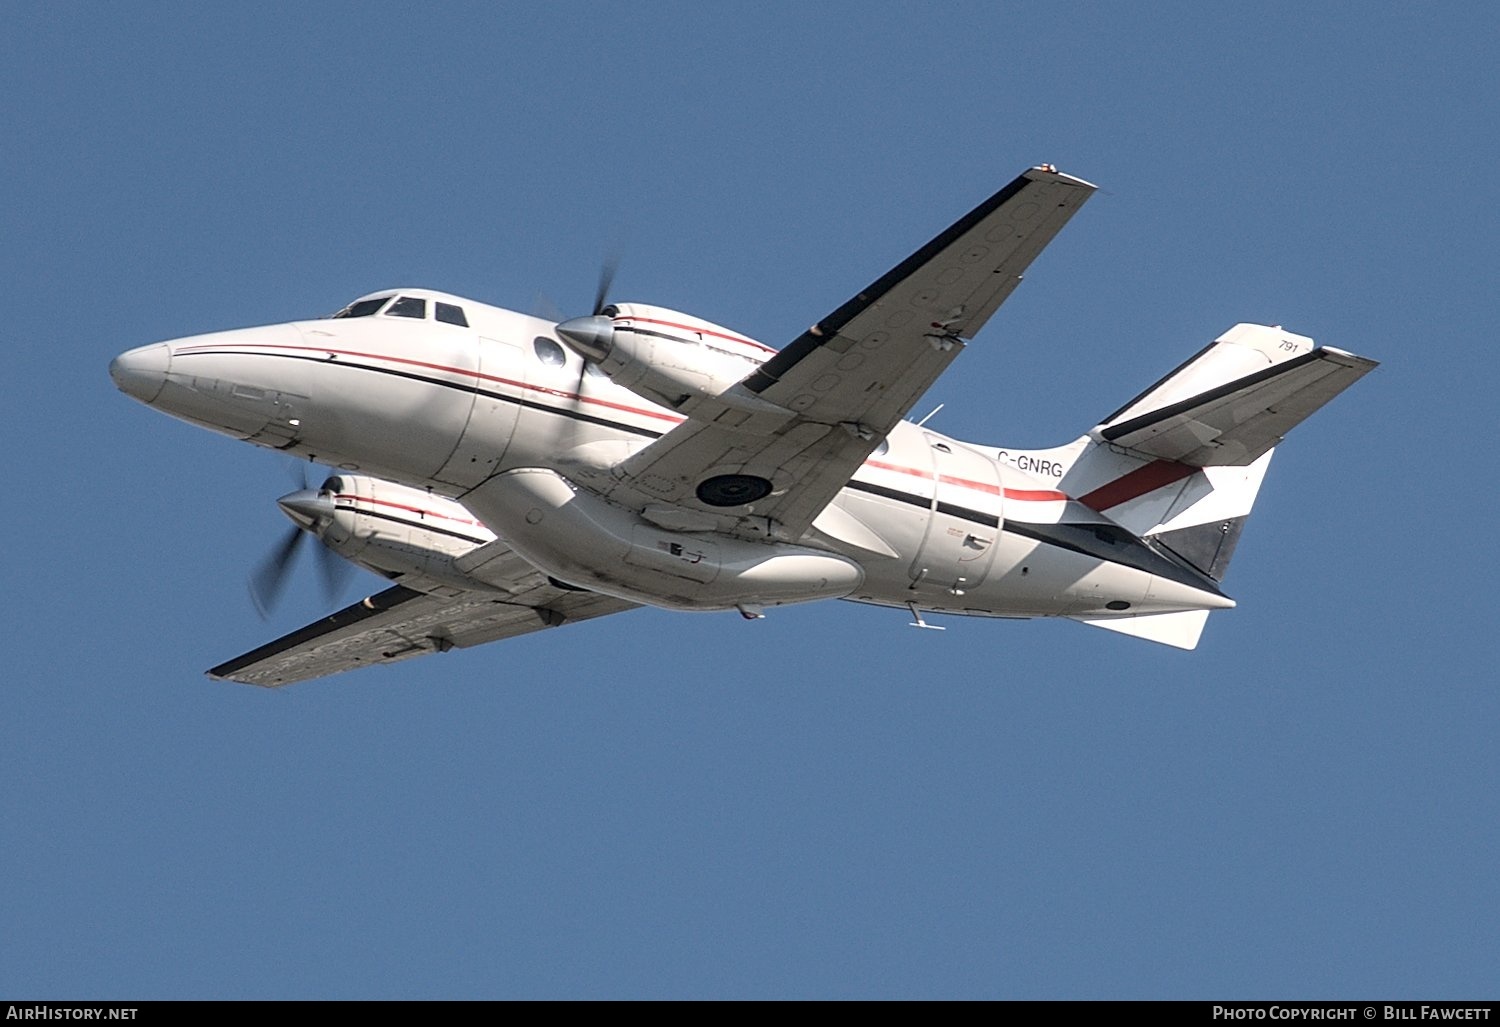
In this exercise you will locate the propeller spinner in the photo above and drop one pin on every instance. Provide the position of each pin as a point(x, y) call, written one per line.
point(591, 337)
point(310, 510)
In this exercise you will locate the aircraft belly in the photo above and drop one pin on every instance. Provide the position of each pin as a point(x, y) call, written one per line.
point(1035, 579)
point(1026, 578)
point(1062, 582)
point(579, 538)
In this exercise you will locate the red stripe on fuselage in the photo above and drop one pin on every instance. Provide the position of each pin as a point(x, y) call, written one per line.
point(1137, 483)
point(696, 331)
point(1036, 495)
point(638, 411)
point(1129, 486)
point(1022, 495)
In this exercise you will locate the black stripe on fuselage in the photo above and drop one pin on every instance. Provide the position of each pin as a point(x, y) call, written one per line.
point(576, 415)
point(423, 525)
point(912, 499)
point(655, 335)
point(964, 513)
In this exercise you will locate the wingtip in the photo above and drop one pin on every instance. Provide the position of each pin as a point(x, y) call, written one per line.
point(1049, 171)
point(1350, 359)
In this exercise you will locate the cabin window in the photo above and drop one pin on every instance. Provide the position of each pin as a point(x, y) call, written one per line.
point(549, 351)
point(448, 313)
point(408, 306)
point(363, 308)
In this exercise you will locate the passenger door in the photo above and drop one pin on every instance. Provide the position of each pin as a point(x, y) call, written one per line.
point(963, 526)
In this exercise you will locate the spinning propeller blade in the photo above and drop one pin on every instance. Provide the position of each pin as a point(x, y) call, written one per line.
point(606, 279)
point(590, 336)
point(309, 509)
point(269, 578)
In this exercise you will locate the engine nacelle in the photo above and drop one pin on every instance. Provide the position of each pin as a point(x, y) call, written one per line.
point(395, 530)
point(668, 357)
point(577, 537)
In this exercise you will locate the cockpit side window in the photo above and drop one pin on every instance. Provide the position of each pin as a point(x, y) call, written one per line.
point(450, 314)
point(408, 306)
point(364, 308)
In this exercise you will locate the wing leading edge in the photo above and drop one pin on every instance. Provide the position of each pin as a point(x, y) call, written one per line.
point(400, 623)
point(847, 381)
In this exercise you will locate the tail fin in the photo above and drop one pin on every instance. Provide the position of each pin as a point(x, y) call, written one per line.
point(1181, 464)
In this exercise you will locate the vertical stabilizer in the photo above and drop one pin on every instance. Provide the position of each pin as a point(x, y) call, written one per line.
point(1180, 465)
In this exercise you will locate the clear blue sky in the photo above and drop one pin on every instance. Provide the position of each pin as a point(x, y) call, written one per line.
point(826, 803)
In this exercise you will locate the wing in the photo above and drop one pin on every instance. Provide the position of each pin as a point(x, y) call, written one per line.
point(830, 396)
point(400, 623)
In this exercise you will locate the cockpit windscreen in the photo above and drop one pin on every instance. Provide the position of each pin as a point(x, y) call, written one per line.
point(363, 308)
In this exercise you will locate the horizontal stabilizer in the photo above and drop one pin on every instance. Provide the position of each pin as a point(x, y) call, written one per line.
point(1181, 630)
point(1200, 416)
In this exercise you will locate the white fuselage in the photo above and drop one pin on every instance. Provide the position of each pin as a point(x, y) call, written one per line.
point(444, 408)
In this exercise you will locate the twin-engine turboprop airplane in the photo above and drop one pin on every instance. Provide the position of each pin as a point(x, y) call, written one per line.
point(511, 474)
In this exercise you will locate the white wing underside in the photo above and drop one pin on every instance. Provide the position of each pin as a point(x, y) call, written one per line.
point(400, 623)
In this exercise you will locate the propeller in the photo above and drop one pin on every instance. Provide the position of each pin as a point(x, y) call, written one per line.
point(606, 279)
point(309, 510)
point(591, 337)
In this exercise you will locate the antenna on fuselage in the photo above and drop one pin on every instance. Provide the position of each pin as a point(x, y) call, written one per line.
point(930, 417)
point(918, 622)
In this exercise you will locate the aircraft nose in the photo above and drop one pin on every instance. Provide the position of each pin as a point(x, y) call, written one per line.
point(141, 373)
